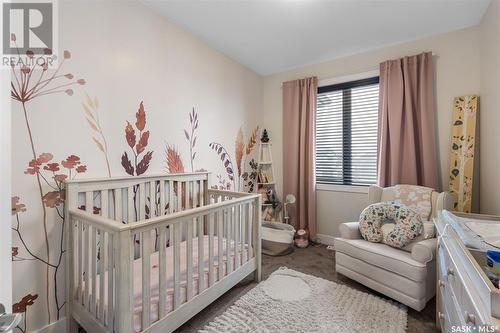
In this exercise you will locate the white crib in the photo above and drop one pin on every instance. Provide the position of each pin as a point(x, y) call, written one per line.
point(145, 254)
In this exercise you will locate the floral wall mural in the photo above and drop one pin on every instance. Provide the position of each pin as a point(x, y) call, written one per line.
point(182, 106)
point(246, 172)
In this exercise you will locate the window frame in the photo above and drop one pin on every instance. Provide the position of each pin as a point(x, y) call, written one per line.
point(337, 83)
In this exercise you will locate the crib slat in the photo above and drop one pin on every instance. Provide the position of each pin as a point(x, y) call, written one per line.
point(104, 203)
point(146, 277)
point(162, 198)
point(110, 310)
point(202, 193)
point(196, 192)
point(80, 262)
point(220, 236)
point(102, 271)
point(244, 221)
point(236, 215)
point(142, 201)
point(194, 198)
point(89, 202)
point(249, 230)
point(177, 254)
point(170, 196)
point(86, 272)
point(130, 205)
point(211, 249)
point(93, 258)
point(179, 196)
point(163, 273)
point(152, 199)
point(189, 255)
point(201, 260)
point(118, 205)
point(229, 236)
point(186, 195)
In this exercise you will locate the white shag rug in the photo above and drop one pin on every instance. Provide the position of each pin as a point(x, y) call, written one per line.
point(290, 301)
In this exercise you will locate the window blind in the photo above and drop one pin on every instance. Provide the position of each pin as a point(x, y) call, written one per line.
point(346, 133)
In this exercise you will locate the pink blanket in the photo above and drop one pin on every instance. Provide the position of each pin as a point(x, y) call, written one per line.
point(154, 292)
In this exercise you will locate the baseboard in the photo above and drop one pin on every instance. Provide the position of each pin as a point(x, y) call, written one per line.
point(325, 239)
point(56, 327)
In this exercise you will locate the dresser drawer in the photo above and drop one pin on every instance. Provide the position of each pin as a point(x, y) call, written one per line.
point(448, 273)
point(463, 311)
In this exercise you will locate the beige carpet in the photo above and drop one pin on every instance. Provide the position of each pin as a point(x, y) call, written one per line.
point(290, 301)
point(316, 261)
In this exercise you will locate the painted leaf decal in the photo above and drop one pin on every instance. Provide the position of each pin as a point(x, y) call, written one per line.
point(140, 118)
point(186, 134)
point(127, 165)
point(174, 160)
point(144, 163)
point(98, 144)
point(130, 135)
point(143, 142)
point(240, 146)
point(87, 111)
point(92, 124)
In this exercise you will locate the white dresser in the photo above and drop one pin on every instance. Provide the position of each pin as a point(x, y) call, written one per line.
point(467, 301)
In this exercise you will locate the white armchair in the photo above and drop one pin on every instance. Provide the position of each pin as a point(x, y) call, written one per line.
point(407, 276)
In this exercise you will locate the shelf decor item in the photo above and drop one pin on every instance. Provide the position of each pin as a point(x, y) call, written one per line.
point(463, 141)
point(265, 137)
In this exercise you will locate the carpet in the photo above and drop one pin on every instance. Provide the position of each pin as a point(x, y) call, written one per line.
point(290, 301)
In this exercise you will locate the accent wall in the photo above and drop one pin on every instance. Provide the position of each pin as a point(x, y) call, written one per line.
point(134, 94)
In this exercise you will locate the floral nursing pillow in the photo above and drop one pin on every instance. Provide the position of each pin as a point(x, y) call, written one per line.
point(390, 223)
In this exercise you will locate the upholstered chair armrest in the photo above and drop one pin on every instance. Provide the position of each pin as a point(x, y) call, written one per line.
point(424, 251)
point(444, 201)
point(350, 230)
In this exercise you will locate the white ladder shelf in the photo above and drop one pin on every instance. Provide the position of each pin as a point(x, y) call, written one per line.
point(265, 167)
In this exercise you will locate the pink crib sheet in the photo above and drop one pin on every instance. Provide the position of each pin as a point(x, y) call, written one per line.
point(154, 290)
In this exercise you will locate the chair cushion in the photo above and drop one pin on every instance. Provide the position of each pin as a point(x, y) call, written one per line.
point(383, 256)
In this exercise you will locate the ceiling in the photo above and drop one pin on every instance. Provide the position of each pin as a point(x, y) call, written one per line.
point(271, 36)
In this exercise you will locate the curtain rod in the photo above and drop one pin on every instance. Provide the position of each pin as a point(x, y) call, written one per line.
point(361, 71)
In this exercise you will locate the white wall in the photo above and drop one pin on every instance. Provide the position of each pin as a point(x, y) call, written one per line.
point(5, 202)
point(457, 73)
point(490, 110)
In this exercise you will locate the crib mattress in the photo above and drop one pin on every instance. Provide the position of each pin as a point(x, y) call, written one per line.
point(154, 275)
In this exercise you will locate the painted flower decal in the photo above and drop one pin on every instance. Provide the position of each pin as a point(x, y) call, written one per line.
point(17, 207)
point(26, 301)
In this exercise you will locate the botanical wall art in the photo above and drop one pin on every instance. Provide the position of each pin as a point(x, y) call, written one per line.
point(126, 118)
point(243, 155)
point(463, 151)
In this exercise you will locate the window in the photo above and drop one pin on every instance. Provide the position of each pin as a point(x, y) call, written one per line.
point(346, 133)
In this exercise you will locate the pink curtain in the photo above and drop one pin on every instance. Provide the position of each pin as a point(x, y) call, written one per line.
point(299, 127)
point(407, 152)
